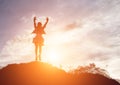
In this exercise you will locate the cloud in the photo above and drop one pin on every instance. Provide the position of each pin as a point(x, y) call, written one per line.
point(72, 26)
point(18, 49)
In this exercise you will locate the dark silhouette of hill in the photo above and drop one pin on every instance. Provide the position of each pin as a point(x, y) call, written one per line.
point(38, 73)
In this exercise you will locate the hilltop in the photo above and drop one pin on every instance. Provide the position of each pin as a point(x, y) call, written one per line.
point(38, 73)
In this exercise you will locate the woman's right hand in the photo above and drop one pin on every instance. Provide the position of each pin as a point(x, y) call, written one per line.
point(34, 18)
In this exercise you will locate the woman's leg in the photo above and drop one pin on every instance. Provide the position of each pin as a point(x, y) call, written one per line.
point(36, 51)
point(40, 51)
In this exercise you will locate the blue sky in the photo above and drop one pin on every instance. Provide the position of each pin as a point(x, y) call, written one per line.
point(79, 31)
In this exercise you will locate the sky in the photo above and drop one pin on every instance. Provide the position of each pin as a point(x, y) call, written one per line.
point(79, 32)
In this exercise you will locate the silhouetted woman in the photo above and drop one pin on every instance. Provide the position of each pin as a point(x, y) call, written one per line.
point(38, 39)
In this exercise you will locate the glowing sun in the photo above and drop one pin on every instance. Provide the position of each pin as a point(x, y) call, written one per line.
point(53, 57)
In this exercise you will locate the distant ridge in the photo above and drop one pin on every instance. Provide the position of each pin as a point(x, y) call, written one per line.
point(38, 73)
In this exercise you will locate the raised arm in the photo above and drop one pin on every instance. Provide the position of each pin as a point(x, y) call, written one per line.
point(34, 22)
point(47, 19)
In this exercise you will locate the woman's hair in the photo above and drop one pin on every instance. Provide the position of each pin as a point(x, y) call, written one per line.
point(39, 24)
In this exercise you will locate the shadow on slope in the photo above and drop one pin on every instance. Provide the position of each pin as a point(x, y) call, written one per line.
point(37, 73)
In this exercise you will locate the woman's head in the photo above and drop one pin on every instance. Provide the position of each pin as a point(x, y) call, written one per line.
point(39, 24)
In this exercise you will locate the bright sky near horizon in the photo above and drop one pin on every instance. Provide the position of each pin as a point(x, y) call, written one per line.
point(79, 32)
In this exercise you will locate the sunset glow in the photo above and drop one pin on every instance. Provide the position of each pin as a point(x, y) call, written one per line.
point(53, 58)
point(78, 32)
